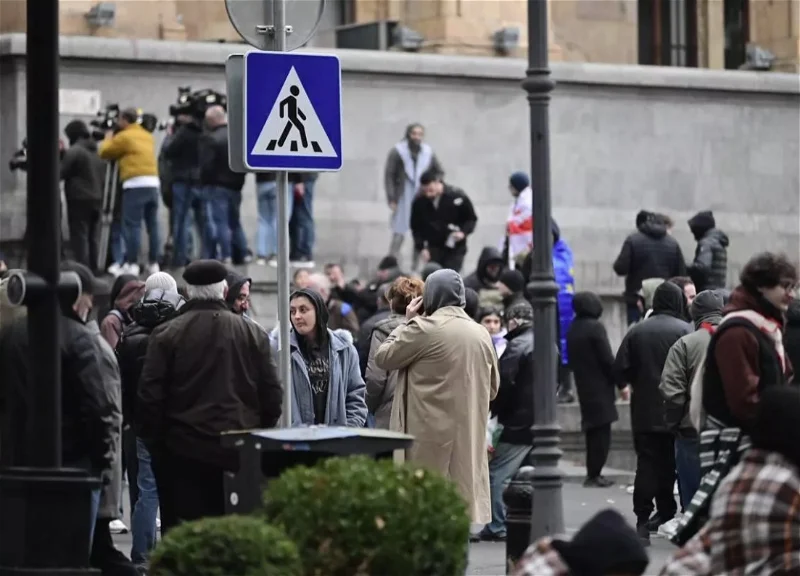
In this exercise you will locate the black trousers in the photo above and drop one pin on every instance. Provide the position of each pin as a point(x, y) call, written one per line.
point(130, 464)
point(188, 489)
point(655, 475)
point(105, 556)
point(598, 443)
point(84, 231)
point(447, 258)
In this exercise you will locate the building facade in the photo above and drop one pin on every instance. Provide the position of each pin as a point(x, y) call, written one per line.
point(692, 33)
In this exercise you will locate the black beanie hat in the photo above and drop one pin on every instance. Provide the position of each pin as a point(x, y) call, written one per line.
point(387, 263)
point(606, 544)
point(513, 280)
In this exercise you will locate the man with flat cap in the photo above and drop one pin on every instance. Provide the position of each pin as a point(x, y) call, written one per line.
point(206, 371)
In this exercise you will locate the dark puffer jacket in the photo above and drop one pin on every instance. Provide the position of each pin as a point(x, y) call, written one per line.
point(709, 270)
point(155, 308)
point(649, 253)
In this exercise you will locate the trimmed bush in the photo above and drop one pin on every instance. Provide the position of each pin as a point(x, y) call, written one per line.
point(360, 517)
point(227, 546)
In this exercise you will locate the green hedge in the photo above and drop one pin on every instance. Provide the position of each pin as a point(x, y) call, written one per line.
point(359, 517)
point(227, 546)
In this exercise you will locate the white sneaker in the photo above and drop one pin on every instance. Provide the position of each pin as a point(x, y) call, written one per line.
point(261, 261)
point(158, 522)
point(130, 269)
point(153, 268)
point(115, 270)
point(117, 527)
point(670, 528)
point(629, 489)
point(675, 491)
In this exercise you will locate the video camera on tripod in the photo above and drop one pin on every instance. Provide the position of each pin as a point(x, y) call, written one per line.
point(108, 119)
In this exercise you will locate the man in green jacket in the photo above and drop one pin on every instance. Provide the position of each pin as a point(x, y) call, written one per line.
point(683, 360)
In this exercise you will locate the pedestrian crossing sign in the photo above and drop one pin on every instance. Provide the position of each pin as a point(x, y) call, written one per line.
point(292, 112)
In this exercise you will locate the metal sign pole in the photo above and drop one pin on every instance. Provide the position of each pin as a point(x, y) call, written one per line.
point(282, 182)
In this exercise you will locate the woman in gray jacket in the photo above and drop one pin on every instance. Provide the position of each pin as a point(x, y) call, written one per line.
point(380, 383)
point(327, 386)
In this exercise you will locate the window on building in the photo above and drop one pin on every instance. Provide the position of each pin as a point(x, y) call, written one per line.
point(347, 12)
point(668, 32)
point(737, 32)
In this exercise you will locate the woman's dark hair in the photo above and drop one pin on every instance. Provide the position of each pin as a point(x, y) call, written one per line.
point(402, 292)
point(490, 311)
point(767, 270)
point(681, 281)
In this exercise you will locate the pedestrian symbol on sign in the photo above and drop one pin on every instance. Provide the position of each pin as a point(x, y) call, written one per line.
point(293, 127)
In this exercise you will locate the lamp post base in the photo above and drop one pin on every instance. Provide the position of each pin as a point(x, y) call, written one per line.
point(46, 521)
point(518, 498)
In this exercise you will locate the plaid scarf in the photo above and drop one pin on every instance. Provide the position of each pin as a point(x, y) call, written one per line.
point(754, 526)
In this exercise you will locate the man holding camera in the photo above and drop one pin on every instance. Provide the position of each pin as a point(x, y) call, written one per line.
point(182, 151)
point(133, 148)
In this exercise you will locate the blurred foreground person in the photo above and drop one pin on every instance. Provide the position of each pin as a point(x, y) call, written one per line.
point(604, 546)
point(89, 413)
point(449, 377)
point(206, 372)
point(754, 525)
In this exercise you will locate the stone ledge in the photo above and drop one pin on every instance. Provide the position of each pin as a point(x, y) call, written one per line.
point(397, 63)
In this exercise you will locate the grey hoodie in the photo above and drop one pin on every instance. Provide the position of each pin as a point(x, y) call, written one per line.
point(443, 288)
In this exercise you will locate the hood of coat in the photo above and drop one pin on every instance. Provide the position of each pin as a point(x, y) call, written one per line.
point(156, 307)
point(669, 300)
point(587, 305)
point(649, 289)
point(235, 282)
point(321, 309)
point(707, 308)
point(653, 227)
point(443, 288)
point(127, 290)
point(489, 255)
point(387, 325)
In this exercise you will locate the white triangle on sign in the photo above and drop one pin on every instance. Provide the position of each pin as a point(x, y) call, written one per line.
point(282, 137)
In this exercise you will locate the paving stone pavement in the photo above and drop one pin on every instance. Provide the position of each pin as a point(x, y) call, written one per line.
point(580, 504)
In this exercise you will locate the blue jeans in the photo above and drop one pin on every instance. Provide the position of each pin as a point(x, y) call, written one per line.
point(93, 511)
point(116, 243)
point(143, 520)
point(267, 234)
point(687, 463)
point(302, 224)
point(224, 205)
point(140, 204)
point(502, 467)
point(183, 197)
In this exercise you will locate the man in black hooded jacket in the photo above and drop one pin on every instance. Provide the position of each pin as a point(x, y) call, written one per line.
point(640, 361)
point(647, 253)
point(83, 173)
point(709, 269)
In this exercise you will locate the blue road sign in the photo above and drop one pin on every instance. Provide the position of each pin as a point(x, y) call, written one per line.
point(292, 112)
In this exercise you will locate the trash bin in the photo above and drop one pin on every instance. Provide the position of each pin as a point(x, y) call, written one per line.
point(265, 454)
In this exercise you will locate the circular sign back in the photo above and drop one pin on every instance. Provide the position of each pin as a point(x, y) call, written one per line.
point(254, 20)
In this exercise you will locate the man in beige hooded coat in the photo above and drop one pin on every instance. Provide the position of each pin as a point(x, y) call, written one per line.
point(448, 375)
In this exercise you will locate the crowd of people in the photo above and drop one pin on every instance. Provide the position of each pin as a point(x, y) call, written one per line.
point(152, 383)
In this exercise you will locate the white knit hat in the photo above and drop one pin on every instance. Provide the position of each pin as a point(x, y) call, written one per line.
point(162, 281)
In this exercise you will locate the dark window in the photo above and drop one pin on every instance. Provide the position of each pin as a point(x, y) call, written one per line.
point(668, 32)
point(737, 32)
point(347, 12)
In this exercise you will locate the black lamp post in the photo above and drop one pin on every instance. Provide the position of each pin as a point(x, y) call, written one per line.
point(44, 508)
point(534, 499)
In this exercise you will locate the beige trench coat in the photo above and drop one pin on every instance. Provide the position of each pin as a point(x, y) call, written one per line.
point(448, 375)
